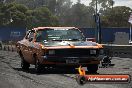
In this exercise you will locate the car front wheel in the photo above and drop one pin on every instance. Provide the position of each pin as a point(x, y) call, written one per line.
point(38, 66)
point(25, 65)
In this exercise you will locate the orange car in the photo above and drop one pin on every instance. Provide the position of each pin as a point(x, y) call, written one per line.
point(58, 46)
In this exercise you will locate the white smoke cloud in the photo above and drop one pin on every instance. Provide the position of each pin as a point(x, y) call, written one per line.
point(127, 3)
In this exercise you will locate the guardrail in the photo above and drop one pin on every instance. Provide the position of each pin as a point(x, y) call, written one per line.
point(113, 50)
point(8, 48)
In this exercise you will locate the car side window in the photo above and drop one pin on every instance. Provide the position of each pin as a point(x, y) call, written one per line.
point(39, 36)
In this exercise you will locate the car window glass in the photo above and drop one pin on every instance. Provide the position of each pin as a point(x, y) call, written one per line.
point(61, 34)
point(40, 36)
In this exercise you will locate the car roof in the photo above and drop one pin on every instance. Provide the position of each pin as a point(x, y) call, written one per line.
point(42, 28)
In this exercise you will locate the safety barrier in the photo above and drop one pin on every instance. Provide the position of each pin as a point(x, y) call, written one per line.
point(11, 48)
point(112, 50)
point(123, 51)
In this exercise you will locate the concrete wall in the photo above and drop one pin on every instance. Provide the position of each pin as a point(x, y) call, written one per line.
point(124, 51)
point(121, 38)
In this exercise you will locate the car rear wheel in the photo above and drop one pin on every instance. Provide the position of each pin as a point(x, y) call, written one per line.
point(24, 64)
point(92, 68)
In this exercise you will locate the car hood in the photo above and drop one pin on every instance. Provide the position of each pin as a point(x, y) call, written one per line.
point(68, 43)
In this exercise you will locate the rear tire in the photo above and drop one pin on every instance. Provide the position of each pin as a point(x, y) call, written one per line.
point(92, 68)
point(24, 64)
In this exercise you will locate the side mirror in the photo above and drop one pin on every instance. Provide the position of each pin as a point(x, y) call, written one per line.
point(91, 39)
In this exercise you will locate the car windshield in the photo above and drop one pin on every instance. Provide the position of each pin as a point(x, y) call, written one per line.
point(59, 35)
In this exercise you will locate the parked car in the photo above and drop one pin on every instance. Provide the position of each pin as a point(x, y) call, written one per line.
point(58, 46)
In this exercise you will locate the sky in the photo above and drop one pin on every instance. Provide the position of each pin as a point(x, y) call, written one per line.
point(127, 3)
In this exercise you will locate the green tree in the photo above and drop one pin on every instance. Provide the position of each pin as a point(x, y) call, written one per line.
point(80, 16)
point(63, 11)
point(13, 14)
point(58, 8)
point(116, 17)
point(7, 1)
point(42, 17)
point(102, 4)
point(19, 15)
point(32, 4)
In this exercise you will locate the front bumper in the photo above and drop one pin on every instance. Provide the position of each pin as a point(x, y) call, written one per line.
point(54, 60)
